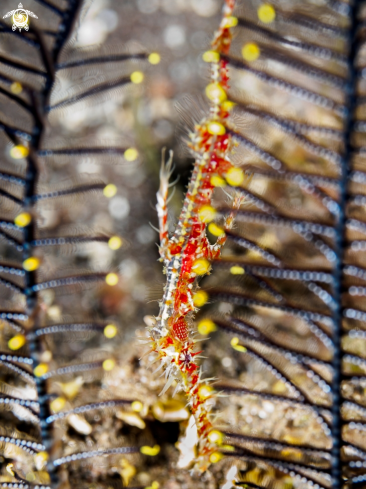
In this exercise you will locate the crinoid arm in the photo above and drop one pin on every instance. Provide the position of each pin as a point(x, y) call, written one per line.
point(48, 299)
point(288, 289)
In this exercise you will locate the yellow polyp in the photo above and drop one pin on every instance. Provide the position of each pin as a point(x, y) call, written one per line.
point(108, 364)
point(58, 404)
point(131, 154)
point(217, 181)
point(9, 469)
point(287, 482)
point(16, 342)
point(229, 21)
point(250, 51)
point(110, 331)
point(40, 460)
point(279, 387)
point(216, 457)
point(110, 190)
point(150, 451)
point(211, 56)
point(16, 88)
point(266, 13)
point(71, 389)
point(205, 391)
point(154, 58)
point(207, 213)
point(237, 270)
point(132, 419)
point(287, 452)
point(215, 229)
point(115, 243)
point(201, 266)
point(137, 77)
point(154, 485)
point(235, 176)
point(235, 344)
point(23, 219)
point(170, 410)
point(206, 326)
point(216, 128)
point(137, 406)
point(112, 279)
point(31, 264)
point(216, 93)
point(216, 436)
point(18, 152)
point(228, 105)
point(200, 298)
point(43, 456)
point(127, 472)
point(40, 370)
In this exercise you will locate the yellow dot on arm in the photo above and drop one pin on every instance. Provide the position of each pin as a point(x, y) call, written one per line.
point(216, 436)
point(236, 270)
point(137, 406)
point(16, 342)
point(205, 391)
point(228, 448)
point(31, 264)
point(216, 93)
point(16, 88)
point(110, 331)
point(200, 298)
point(154, 58)
point(207, 213)
point(23, 219)
point(216, 128)
point(115, 243)
point(110, 190)
point(112, 279)
point(266, 13)
point(234, 176)
point(201, 266)
point(230, 21)
point(211, 57)
point(40, 370)
point(18, 152)
point(217, 181)
point(42, 455)
point(58, 404)
point(236, 345)
point(216, 457)
point(250, 51)
point(131, 154)
point(228, 105)
point(215, 230)
point(108, 364)
point(40, 459)
point(154, 485)
point(151, 451)
point(206, 326)
point(137, 77)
